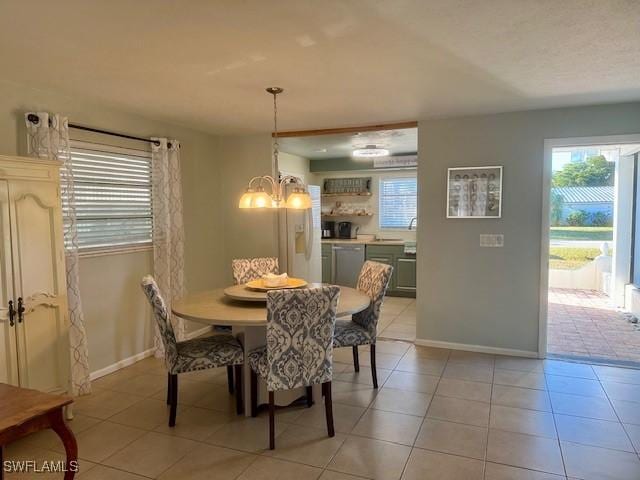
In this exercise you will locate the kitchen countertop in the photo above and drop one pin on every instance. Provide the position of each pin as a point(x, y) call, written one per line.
point(355, 241)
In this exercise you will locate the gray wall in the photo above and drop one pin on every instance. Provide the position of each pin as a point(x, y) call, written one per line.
point(246, 233)
point(466, 295)
point(490, 296)
point(118, 319)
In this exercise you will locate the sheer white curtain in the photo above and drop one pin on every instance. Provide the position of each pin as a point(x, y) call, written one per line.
point(168, 228)
point(48, 137)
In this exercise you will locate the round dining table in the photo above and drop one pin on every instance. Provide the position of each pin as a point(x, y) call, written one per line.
point(245, 311)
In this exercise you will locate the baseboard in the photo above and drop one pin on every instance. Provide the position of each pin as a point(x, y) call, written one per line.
point(140, 356)
point(121, 364)
point(476, 348)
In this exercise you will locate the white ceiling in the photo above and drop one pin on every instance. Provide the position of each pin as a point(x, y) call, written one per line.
point(205, 63)
point(398, 142)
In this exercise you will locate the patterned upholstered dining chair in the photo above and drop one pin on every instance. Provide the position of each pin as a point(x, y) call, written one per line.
point(299, 350)
point(191, 355)
point(362, 328)
point(247, 269)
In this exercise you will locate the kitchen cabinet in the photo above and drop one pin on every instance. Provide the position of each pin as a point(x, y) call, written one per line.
point(386, 258)
point(34, 347)
point(403, 278)
point(327, 263)
point(405, 268)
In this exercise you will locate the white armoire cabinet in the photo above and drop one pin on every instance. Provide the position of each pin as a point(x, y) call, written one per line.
point(34, 345)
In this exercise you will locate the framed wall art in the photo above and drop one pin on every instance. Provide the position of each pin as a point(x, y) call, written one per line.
point(474, 192)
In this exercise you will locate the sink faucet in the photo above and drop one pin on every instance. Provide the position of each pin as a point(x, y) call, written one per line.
point(414, 219)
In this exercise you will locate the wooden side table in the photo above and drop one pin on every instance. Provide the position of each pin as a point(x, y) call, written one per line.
point(24, 411)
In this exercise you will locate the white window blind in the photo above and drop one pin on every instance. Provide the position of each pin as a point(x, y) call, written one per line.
point(398, 202)
point(113, 196)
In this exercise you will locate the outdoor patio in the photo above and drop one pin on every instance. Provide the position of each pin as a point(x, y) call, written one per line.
point(583, 323)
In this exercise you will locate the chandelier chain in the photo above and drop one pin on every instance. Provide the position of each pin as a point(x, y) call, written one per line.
point(275, 129)
point(257, 197)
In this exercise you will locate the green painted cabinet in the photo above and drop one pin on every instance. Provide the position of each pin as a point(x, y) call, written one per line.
point(381, 254)
point(403, 278)
point(327, 263)
point(405, 269)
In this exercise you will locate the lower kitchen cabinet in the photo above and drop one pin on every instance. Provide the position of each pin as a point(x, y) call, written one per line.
point(327, 263)
point(403, 278)
point(405, 269)
point(382, 257)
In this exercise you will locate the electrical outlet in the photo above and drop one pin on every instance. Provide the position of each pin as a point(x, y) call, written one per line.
point(491, 240)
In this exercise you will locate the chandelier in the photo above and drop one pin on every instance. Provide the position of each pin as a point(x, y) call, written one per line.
point(256, 196)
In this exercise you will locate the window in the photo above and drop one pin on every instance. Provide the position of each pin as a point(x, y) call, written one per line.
point(398, 202)
point(635, 238)
point(113, 196)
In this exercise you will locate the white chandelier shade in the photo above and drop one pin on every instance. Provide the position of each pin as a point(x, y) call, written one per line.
point(258, 198)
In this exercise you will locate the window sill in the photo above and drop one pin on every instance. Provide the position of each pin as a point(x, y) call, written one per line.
point(125, 249)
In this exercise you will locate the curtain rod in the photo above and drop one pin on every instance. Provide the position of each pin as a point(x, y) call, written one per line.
point(33, 118)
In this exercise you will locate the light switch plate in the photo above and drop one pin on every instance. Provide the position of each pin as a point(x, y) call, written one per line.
point(491, 240)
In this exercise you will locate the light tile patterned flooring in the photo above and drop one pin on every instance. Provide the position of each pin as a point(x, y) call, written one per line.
point(398, 320)
point(438, 414)
point(583, 323)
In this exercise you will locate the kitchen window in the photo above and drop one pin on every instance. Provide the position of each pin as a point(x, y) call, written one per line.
point(398, 202)
point(113, 196)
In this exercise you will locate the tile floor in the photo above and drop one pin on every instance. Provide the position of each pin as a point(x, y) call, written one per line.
point(438, 414)
point(583, 323)
point(398, 320)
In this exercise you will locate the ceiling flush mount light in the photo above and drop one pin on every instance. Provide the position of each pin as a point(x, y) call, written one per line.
point(255, 195)
point(370, 151)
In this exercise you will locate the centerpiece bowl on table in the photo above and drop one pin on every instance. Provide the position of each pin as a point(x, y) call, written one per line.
point(256, 290)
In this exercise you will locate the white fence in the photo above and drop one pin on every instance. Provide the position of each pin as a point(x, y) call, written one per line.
point(595, 275)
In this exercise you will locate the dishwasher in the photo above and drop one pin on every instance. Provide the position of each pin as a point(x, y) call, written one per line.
point(347, 262)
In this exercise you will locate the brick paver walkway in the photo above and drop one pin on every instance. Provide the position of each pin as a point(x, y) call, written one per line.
point(583, 323)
